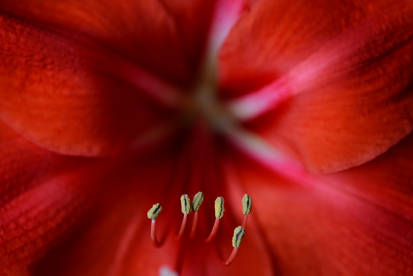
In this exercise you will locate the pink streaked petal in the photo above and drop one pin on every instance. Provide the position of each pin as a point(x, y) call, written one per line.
point(357, 222)
point(353, 80)
point(270, 39)
point(226, 14)
point(274, 37)
point(269, 156)
point(337, 58)
point(258, 102)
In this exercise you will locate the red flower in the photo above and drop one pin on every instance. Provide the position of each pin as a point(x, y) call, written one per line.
point(108, 107)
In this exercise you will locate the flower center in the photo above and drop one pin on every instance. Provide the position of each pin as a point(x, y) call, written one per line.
point(203, 103)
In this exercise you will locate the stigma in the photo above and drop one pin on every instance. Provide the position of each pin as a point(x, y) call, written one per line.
point(189, 208)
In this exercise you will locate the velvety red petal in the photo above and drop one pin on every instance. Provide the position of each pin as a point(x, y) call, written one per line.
point(68, 97)
point(24, 169)
point(23, 165)
point(386, 181)
point(357, 222)
point(37, 219)
point(348, 66)
point(117, 240)
point(41, 205)
point(166, 37)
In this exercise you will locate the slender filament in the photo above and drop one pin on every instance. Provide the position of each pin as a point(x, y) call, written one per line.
point(239, 233)
point(231, 256)
point(214, 231)
point(194, 225)
point(153, 233)
point(182, 228)
point(244, 221)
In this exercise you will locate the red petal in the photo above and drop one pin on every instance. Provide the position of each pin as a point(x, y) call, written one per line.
point(24, 166)
point(358, 222)
point(274, 37)
point(117, 240)
point(43, 196)
point(35, 220)
point(166, 37)
point(24, 172)
point(386, 181)
point(61, 95)
point(353, 87)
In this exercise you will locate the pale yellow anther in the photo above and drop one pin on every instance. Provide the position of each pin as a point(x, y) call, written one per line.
point(246, 204)
point(219, 207)
point(197, 201)
point(154, 212)
point(185, 204)
point(239, 233)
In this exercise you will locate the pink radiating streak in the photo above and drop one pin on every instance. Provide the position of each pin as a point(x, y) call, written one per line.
point(257, 102)
point(260, 151)
point(288, 169)
point(332, 61)
point(226, 14)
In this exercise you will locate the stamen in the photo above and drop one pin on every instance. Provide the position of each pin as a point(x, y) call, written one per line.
point(186, 209)
point(219, 213)
point(153, 214)
point(219, 207)
point(246, 208)
point(196, 203)
point(246, 204)
point(185, 204)
point(239, 233)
